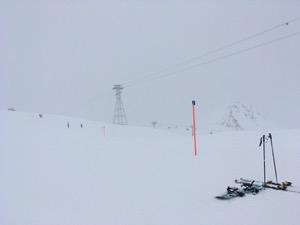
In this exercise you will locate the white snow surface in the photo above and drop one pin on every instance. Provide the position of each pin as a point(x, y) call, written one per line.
point(54, 175)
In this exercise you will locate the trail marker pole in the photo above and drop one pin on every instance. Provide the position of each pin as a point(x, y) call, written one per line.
point(194, 128)
point(103, 131)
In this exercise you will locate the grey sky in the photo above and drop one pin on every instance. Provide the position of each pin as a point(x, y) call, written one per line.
point(64, 56)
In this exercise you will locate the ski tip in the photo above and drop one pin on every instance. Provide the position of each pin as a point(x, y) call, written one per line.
point(223, 197)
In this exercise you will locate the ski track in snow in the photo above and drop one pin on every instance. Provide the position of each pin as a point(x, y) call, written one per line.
point(54, 175)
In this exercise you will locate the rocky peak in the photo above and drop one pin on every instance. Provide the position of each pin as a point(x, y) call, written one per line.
point(240, 116)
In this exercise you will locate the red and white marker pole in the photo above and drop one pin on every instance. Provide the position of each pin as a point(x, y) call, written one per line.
point(194, 128)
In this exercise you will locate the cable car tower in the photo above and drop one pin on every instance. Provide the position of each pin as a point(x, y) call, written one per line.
point(119, 115)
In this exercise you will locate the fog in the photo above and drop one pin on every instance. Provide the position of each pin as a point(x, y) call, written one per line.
point(63, 57)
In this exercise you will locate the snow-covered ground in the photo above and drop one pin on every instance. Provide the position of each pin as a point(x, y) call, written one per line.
point(54, 175)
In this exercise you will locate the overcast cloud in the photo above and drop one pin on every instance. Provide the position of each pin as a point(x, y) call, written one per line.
point(64, 56)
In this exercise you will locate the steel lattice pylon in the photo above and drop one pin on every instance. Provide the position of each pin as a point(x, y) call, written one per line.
point(119, 115)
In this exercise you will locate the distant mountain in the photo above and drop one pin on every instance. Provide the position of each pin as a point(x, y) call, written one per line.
point(239, 116)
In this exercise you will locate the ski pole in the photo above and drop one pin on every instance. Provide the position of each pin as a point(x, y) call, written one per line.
point(264, 159)
point(262, 141)
point(270, 136)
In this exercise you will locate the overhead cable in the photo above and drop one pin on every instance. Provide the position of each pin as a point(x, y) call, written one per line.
point(134, 82)
point(213, 60)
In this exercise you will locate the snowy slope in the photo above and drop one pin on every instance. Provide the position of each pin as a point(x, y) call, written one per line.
point(51, 174)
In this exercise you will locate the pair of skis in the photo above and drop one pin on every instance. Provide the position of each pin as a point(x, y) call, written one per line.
point(283, 186)
point(268, 184)
point(232, 192)
point(246, 188)
point(252, 186)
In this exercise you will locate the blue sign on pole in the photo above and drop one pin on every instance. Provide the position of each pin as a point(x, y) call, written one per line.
point(194, 102)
